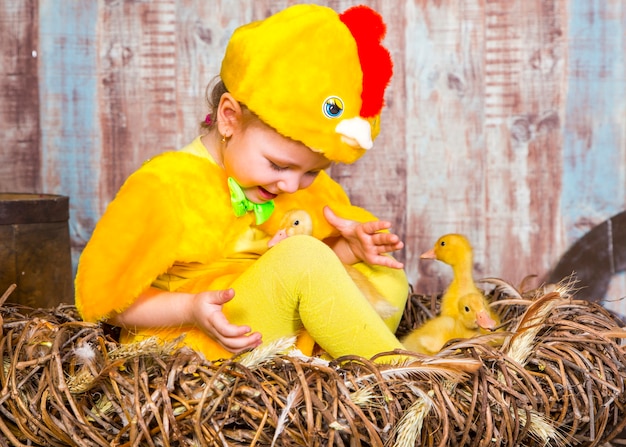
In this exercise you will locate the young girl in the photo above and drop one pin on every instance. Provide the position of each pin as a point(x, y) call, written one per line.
point(182, 249)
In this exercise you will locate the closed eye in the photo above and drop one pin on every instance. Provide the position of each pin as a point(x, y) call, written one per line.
point(275, 167)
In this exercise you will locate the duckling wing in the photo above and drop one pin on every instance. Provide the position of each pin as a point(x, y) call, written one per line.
point(431, 336)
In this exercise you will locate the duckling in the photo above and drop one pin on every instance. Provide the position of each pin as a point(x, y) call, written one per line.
point(470, 315)
point(456, 251)
point(454, 320)
point(299, 222)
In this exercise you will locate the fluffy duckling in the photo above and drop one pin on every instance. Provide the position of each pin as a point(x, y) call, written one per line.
point(465, 311)
point(456, 251)
point(470, 315)
point(300, 222)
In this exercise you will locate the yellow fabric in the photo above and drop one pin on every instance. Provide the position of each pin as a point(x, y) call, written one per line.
point(300, 284)
point(285, 67)
point(172, 225)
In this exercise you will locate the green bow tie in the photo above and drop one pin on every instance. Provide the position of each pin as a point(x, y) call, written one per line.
point(241, 204)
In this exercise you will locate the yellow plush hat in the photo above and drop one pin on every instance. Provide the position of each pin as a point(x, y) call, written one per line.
point(314, 75)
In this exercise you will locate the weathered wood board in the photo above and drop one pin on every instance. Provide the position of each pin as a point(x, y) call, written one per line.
point(505, 119)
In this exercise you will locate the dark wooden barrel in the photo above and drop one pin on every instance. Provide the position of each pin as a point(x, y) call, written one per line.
point(35, 249)
point(595, 258)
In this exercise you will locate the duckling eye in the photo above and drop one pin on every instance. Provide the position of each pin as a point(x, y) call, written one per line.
point(467, 309)
point(333, 107)
point(443, 243)
point(296, 223)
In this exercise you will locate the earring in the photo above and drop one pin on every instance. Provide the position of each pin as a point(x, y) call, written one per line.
point(223, 139)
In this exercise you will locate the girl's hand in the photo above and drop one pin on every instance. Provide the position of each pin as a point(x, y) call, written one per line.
point(207, 314)
point(363, 241)
point(161, 308)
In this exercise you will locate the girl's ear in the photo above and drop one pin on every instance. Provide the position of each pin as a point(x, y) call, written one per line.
point(229, 115)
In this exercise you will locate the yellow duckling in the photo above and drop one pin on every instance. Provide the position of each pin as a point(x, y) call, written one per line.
point(299, 222)
point(456, 251)
point(470, 315)
point(465, 311)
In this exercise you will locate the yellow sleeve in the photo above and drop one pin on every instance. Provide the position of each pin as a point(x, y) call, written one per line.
point(144, 230)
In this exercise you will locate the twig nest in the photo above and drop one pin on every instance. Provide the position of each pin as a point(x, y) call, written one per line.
point(553, 376)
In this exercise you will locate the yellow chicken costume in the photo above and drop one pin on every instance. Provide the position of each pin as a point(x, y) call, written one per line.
point(317, 77)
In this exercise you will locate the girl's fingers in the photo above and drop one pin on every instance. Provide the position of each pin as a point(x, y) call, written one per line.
point(385, 239)
point(336, 221)
point(242, 343)
point(374, 226)
point(224, 329)
point(386, 261)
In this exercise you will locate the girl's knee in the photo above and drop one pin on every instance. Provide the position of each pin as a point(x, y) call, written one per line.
point(304, 251)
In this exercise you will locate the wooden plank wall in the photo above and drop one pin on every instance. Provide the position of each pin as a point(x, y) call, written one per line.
point(505, 120)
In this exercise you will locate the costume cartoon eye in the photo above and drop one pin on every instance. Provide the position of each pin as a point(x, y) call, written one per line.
point(333, 107)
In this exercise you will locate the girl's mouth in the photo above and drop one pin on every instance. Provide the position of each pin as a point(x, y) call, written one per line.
point(265, 194)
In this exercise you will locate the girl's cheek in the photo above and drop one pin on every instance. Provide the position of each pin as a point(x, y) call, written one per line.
point(307, 180)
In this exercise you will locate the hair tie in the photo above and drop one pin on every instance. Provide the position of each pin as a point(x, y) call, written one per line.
point(208, 120)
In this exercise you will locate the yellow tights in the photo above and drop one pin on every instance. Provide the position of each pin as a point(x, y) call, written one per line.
point(301, 284)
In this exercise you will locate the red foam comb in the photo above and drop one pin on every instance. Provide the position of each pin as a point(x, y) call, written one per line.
point(368, 29)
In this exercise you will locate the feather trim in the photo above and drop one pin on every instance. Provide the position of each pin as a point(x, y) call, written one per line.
point(160, 215)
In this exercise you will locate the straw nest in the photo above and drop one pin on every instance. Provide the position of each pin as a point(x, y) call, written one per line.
point(553, 376)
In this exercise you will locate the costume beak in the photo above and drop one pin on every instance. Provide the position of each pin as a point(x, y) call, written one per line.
point(356, 132)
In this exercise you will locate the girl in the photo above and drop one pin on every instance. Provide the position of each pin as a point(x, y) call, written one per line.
point(182, 249)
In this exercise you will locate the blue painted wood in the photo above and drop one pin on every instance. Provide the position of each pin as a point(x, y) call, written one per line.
point(71, 143)
point(594, 135)
point(594, 174)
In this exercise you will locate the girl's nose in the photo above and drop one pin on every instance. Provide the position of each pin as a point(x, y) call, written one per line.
point(290, 183)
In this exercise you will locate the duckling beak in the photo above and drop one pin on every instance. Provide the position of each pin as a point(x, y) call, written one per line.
point(430, 254)
point(279, 236)
point(485, 321)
